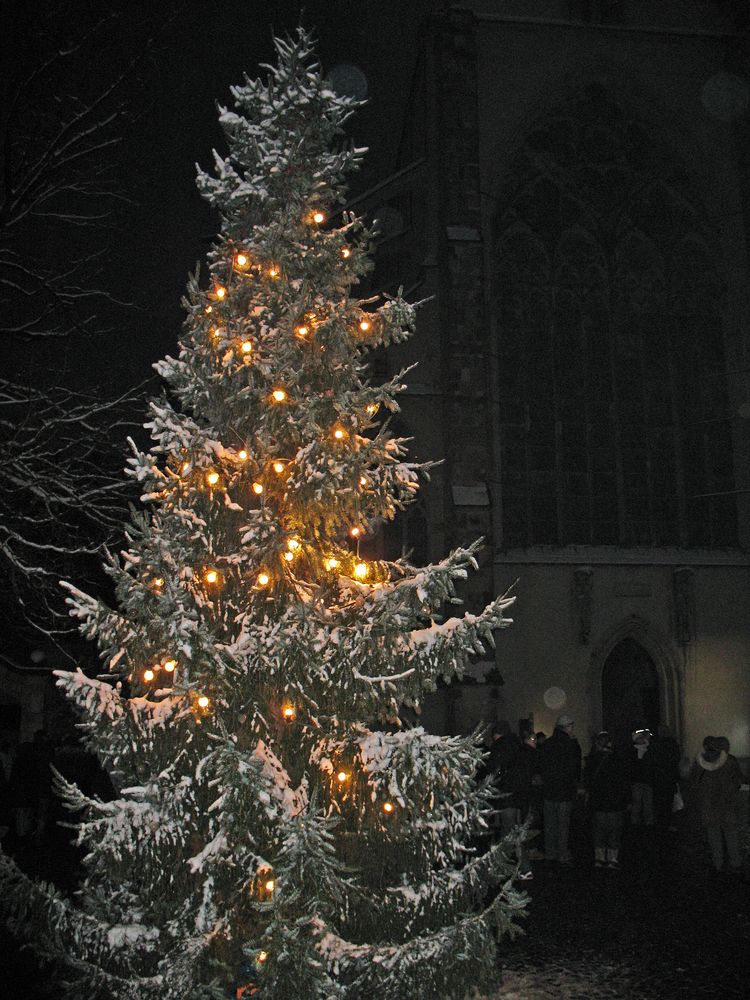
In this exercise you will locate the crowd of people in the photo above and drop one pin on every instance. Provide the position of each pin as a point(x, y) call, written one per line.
point(622, 792)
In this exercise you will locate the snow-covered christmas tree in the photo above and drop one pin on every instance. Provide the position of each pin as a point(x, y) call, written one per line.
point(277, 831)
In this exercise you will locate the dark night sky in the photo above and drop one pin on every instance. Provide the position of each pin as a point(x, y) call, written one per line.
point(164, 230)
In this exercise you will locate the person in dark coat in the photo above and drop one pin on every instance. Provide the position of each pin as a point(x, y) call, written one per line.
point(642, 779)
point(666, 776)
point(560, 766)
point(715, 777)
point(608, 792)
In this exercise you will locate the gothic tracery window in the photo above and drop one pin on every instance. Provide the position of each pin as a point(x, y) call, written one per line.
point(613, 408)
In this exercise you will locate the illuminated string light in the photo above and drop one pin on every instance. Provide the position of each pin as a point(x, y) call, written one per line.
point(372, 409)
point(273, 271)
point(208, 310)
point(355, 532)
point(361, 570)
point(220, 292)
point(242, 260)
point(293, 544)
point(302, 330)
point(364, 325)
point(288, 712)
point(278, 467)
point(148, 675)
point(318, 217)
point(346, 252)
point(331, 563)
point(289, 556)
point(246, 347)
point(278, 395)
point(211, 576)
point(212, 478)
point(363, 480)
point(342, 777)
point(170, 666)
point(158, 583)
point(387, 807)
point(242, 455)
point(270, 885)
point(340, 432)
point(203, 701)
point(257, 489)
point(263, 579)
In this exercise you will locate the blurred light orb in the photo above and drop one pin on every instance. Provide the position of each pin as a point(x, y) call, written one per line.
point(348, 81)
point(555, 698)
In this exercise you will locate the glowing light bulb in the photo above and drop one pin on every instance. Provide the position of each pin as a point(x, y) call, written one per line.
point(318, 217)
point(270, 885)
point(170, 666)
point(242, 260)
point(263, 579)
point(220, 292)
point(289, 556)
point(387, 807)
point(262, 957)
point(203, 701)
point(273, 271)
point(257, 488)
point(246, 347)
point(279, 395)
point(158, 583)
point(302, 330)
point(342, 776)
point(148, 675)
point(345, 252)
point(355, 532)
point(212, 478)
point(372, 409)
point(211, 576)
point(363, 480)
point(364, 325)
point(339, 432)
point(278, 467)
point(208, 310)
point(293, 544)
point(288, 712)
point(242, 455)
point(332, 563)
point(361, 570)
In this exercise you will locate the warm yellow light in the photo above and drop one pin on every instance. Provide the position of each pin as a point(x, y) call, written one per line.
point(339, 432)
point(246, 347)
point(293, 544)
point(273, 271)
point(270, 885)
point(257, 488)
point(372, 409)
point(332, 563)
point(263, 579)
point(158, 583)
point(242, 260)
point(211, 576)
point(242, 455)
point(355, 532)
point(203, 702)
point(220, 292)
point(318, 217)
point(212, 478)
point(342, 776)
point(289, 556)
point(170, 665)
point(148, 675)
point(361, 570)
point(363, 480)
point(345, 252)
point(364, 325)
point(302, 330)
point(278, 467)
point(262, 956)
point(279, 395)
point(208, 310)
point(288, 712)
point(387, 807)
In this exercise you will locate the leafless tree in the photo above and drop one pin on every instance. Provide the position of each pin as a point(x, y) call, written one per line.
point(67, 101)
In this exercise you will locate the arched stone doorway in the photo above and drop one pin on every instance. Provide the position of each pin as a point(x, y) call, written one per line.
point(630, 691)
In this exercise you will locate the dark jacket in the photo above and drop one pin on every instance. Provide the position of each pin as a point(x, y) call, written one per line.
point(717, 785)
point(560, 760)
point(642, 769)
point(606, 781)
